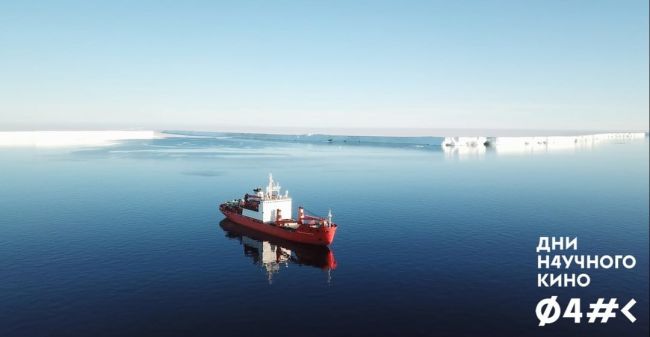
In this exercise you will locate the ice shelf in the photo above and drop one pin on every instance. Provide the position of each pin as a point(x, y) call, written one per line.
point(536, 144)
point(70, 138)
point(503, 143)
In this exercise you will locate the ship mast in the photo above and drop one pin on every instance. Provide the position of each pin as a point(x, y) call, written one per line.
point(273, 188)
point(329, 218)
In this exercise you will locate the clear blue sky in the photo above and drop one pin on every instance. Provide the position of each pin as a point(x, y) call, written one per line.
point(434, 64)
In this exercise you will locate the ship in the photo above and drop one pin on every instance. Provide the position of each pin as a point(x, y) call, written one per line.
point(269, 211)
point(272, 253)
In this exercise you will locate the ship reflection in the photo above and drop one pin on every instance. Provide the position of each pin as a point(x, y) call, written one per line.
point(272, 253)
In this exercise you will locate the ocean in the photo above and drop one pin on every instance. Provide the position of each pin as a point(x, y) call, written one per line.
point(127, 239)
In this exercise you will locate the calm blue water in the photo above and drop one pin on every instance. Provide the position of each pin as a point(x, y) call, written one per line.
point(127, 240)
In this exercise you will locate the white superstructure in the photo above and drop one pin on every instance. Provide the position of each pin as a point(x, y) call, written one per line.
point(271, 201)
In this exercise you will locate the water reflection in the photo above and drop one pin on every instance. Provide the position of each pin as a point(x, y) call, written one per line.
point(464, 152)
point(272, 253)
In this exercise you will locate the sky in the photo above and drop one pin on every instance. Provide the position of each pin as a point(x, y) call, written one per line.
point(546, 65)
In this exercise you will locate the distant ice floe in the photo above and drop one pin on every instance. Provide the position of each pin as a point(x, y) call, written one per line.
point(463, 141)
point(466, 146)
point(473, 146)
point(318, 138)
point(71, 138)
point(505, 145)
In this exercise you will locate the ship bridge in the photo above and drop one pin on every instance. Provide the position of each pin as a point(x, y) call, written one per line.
point(271, 204)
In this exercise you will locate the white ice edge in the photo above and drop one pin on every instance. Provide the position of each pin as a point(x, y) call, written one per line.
point(504, 144)
point(518, 141)
point(518, 145)
point(72, 138)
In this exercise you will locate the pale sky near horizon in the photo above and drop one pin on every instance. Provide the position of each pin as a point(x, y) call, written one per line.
point(430, 64)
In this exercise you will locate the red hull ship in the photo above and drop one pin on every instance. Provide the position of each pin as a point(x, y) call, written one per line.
point(263, 211)
point(308, 255)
